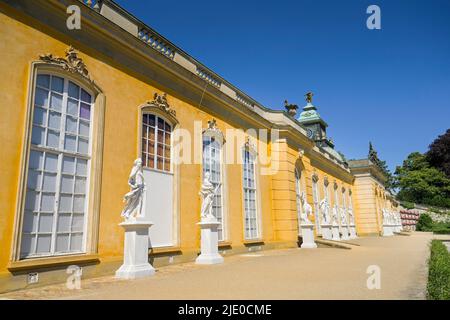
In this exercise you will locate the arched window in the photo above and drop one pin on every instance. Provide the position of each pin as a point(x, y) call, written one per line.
point(212, 163)
point(251, 223)
point(156, 142)
point(298, 192)
point(56, 197)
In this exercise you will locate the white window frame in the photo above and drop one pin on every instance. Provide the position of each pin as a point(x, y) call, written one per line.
point(156, 141)
point(247, 235)
point(61, 152)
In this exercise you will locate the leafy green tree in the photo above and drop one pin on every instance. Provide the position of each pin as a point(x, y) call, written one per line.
point(418, 182)
point(438, 154)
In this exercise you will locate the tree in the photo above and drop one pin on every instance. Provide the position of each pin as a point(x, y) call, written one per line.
point(425, 223)
point(438, 154)
point(419, 182)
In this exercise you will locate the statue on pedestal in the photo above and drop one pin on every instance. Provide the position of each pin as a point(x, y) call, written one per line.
point(133, 199)
point(207, 192)
point(351, 216)
point(343, 216)
point(307, 210)
point(325, 210)
point(335, 215)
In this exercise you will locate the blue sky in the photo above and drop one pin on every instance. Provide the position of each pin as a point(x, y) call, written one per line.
point(389, 86)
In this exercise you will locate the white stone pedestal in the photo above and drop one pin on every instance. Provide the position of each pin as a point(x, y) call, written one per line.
point(135, 257)
point(209, 242)
point(387, 231)
point(353, 232)
point(335, 233)
point(308, 236)
point(326, 232)
point(344, 230)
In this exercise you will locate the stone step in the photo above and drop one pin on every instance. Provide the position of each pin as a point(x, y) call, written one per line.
point(333, 244)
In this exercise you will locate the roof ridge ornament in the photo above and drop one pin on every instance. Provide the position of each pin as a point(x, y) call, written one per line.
point(71, 63)
point(309, 96)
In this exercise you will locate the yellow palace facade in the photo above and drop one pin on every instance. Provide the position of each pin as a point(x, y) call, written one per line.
point(79, 106)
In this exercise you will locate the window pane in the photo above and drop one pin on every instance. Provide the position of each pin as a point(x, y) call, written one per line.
point(49, 182)
point(64, 222)
point(77, 222)
point(69, 165)
point(28, 243)
point(30, 221)
point(70, 143)
point(45, 222)
point(56, 103)
point(38, 136)
point(62, 242)
point(32, 201)
point(43, 243)
point(43, 81)
point(74, 90)
point(72, 107)
point(82, 167)
point(57, 84)
point(76, 242)
point(40, 116)
point(71, 125)
point(53, 139)
point(55, 120)
point(67, 184)
point(51, 162)
point(85, 97)
point(41, 98)
point(84, 128)
point(78, 203)
point(34, 180)
point(47, 202)
point(85, 111)
point(65, 203)
point(83, 146)
point(36, 160)
point(80, 185)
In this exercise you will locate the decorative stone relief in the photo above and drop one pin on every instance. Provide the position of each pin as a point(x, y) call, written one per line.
point(160, 102)
point(71, 63)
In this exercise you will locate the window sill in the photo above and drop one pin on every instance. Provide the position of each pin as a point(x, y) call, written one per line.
point(39, 263)
point(223, 244)
point(164, 250)
point(253, 242)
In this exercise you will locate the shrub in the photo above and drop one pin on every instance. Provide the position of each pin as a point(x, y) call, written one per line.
point(425, 223)
point(441, 228)
point(407, 205)
point(438, 287)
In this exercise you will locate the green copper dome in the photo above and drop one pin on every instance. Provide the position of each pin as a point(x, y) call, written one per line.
point(310, 115)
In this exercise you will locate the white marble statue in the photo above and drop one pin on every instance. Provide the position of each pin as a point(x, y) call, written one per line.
point(325, 211)
point(385, 217)
point(207, 192)
point(335, 216)
point(307, 210)
point(343, 217)
point(351, 216)
point(134, 199)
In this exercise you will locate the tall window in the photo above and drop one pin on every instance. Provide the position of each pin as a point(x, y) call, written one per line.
point(315, 190)
point(212, 163)
point(298, 193)
point(250, 205)
point(58, 169)
point(156, 144)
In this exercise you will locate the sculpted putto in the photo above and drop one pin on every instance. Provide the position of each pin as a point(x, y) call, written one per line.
point(133, 199)
point(351, 216)
point(343, 216)
point(335, 215)
point(307, 210)
point(207, 192)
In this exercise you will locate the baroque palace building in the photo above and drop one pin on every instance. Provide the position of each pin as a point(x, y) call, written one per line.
point(79, 106)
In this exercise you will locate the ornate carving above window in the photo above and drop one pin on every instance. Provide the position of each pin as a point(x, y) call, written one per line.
point(71, 63)
point(160, 103)
point(250, 146)
point(213, 131)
